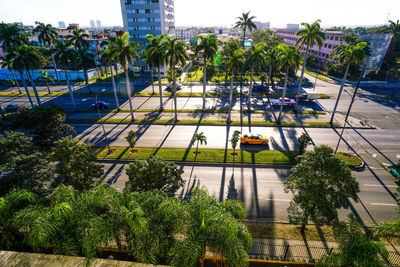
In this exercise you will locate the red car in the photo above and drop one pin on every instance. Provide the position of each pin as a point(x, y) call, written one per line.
point(286, 102)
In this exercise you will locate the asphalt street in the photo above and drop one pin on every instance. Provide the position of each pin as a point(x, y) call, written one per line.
point(262, 190)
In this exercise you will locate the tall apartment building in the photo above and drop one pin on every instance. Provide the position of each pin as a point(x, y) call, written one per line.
point(98, 22)
point(92, 24)
point(142, 17)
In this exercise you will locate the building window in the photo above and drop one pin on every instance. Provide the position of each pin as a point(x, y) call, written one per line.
point(135, 28)
point(149, 11)
point(135, 19)
point(154, 1)
point(153, 28)
point(128, 2)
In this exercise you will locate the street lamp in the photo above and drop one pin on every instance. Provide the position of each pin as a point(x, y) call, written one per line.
point(100, 118)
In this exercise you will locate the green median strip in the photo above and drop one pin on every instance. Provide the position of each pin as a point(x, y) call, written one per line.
point(203, 122)
point(323, 78)
point(270, 157)
point(351, 159)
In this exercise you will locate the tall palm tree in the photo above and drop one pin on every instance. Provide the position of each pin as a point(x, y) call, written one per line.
point(106, 57)
point(345, 55)
point(245, 22)
point(11, 35)
point(208, 46)
point(200, 138)
point(234, 63)
point(156, 55)
point(27, 58)
point(272, 62)
point(175, 55)
point(8, 64)
point(46, 35)
point(256, 57)
point(87, 60)
point(289, 57)
point(78, 38)
point(394, 27)
point(65, 58)
point(125, 52)
point(46, 78)
point(309, 36)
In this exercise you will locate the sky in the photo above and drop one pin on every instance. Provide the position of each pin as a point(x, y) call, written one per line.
point(208, 12)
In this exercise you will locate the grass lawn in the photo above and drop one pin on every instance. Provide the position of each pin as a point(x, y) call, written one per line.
point(323, 78)
point(351, 159)
point(272, 157)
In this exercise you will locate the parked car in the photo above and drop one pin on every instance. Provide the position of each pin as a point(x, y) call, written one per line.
point(254, 139)
point(259, 87)
point(286, 102)
point(177, 86)
point(100, 105)
point(11, 107)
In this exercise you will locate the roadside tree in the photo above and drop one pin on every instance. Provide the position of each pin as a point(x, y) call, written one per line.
point(235, 140)
point(131, 138)
point(304, 140)
point(200, 138)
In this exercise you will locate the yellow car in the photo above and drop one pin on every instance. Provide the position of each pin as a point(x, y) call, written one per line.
point(254, 139)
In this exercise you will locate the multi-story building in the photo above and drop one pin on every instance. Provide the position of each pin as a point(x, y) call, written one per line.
point(61, 24)
point(184, 33)
point(92, 24)
point(142, 17)
point(98, 22)
point(262, 25)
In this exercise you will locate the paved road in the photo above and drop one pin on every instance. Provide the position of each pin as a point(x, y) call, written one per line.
point(262, 189)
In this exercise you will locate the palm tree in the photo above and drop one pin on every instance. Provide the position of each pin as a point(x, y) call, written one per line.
point(7, 63)
point(66, 57)
point(87, 60)
point(395, 28)
point(272, 62)
point(11, 36)
point(289, 57)
point(78, 38)
point(156, 56)
point(25, 58)
point(256, 56)
point(208, 46)
point(213, 225)
point(46, 35)
point(310, 35)
point(245, 22)
point(106, 57)
point(228, 48)
point(234, 63)
point(199, 138)
point(125, 52)
point(175, 55)
point(346, 54)
point(46, 78)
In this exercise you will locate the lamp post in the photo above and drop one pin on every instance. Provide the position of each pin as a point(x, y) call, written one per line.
point(100, 118)
point(353, 99)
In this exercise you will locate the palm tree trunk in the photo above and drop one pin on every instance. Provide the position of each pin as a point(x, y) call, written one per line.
point(48, 87)
point(1, 112)
point(55, 68)
point(26, 88)
point(34, 88)
point(204, 83)
point(270, 77)
point(283, 94)
point(116, 71)
point(174, 93)
point(160, 87)
point(394, 90)
point(128, 90)
point(229, 120)
point(340, 93)
point(85, 72)
point(16, 82)
point(152, 80)
point(301, 76)
point(251, 86)
point(70, 89)
point(114, 88)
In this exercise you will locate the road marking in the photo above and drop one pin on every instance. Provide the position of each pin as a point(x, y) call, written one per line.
point(278, 200)
point(393, 186)
point(281, 182)
point(384, 204)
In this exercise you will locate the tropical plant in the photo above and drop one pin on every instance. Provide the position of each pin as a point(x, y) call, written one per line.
point(46, 78)
point(235, 140)
point(356, 247)
point(154, 174)
point(256, 57)
point(12, 36)
point(8, 64)
point(66, 57)
point(214, 226)
point(201, 139)
point(310, 35)
point(78, 39)
point(346, 54)
point(131, 138)
point(304, 140)
point(146, 55)
point(46, 35)
point(87, 60)
point(288, 57)
point(107, 58)
point(272, 62)
point(208, 47)
point(125, 52)
point(175, 56)
point(321, 183)
point(77, 163)
point(245, 22)
point(234, 62)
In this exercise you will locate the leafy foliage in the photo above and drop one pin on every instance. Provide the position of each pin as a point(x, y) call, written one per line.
point(131, 138)
point(77, 165)
point(304, 140)
point(154, 174)
point(321, 183)
point(200, 138)
point(235, 139)
point(22, 164)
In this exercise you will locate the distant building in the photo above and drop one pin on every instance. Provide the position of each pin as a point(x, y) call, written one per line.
point(184, 34)
point(98, 23)
point(92, 24)
point(142, 17)
point(73, 26)
point(293, 27)
point(262, 25)
point(61, 24)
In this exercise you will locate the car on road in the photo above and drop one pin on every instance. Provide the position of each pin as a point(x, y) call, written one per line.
point(286, 102)
point(254, 139)
point(11, 107)
point(100, 105)
point(308, 95)
point(260, 87)
point(177, 86)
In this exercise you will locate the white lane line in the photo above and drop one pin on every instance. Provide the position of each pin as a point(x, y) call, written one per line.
point(275, 182)
point(377, 185)
point(383, 204)
point(277, 199)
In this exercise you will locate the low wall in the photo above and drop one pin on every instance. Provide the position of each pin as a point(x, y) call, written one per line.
point(73, 75)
